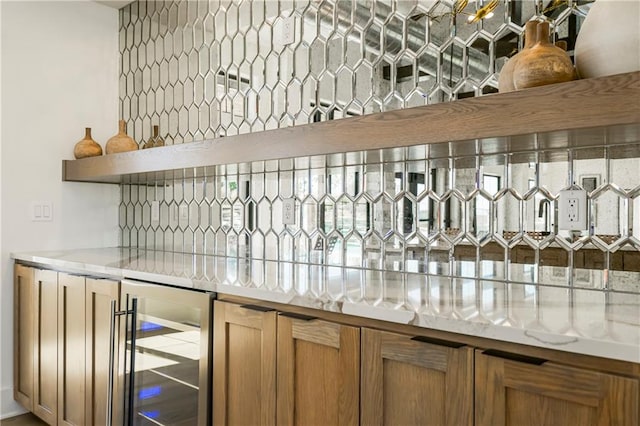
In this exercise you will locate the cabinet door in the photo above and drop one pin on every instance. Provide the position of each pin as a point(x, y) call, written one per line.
point(23, 323)
point(318, 368)
point(414, 382)
point(519, 393)
point(102, 298)
point(244, 366)
point(71, 349)
point(45, 346)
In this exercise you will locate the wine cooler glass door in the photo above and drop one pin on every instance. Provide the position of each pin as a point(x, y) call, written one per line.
point(166, 359)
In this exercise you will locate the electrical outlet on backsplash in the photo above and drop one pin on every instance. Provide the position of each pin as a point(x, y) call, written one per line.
point(487, 217)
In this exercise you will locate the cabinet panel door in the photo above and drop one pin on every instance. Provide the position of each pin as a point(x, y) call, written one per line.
point(100, 294)
point(23, 324)
point(520, 394)
point(71, 349)
point(318, 371)
point(244, 369)
point(45, 346)
point(410, 382)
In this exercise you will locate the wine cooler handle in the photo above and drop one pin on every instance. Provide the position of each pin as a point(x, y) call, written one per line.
point(132, 359)
point(112, 335)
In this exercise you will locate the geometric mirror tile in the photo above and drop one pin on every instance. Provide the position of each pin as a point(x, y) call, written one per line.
point(204, 70)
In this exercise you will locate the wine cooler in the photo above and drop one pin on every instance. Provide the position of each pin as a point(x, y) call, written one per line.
point(162, 356)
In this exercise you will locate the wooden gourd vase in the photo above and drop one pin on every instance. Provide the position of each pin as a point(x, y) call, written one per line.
point(121, 142)
point(505, 80)
point(543, 63)
point(87, 147)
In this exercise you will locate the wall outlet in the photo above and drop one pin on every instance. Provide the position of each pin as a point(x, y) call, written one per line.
point(288, 30)
point(289, 211)
point(183, 212)
point(572, 210)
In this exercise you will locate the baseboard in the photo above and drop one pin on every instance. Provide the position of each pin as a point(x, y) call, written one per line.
point(8, 407)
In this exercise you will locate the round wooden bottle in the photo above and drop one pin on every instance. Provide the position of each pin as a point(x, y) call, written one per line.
point(87, 147)
point(505, 80)
point(121, 142)
point(543, 64)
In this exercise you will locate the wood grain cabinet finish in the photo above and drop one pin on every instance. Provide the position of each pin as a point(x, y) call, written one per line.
point(413, 382)
point(515, 393)
point(244, 366)
point(45, 346)
point(61, 351)
point(318, 373)
point(71, 350)
point(23, 328)
point(102, 297)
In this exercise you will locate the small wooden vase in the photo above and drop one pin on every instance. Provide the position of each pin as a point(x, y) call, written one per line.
point(87, 147)
point(151, 142)
point(543, 63)
point(158, 141)
point(121, 142)
point(505, 80)
point(155, 140)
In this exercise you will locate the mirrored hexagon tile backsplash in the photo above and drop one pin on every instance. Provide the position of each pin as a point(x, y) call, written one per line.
point(202, 70)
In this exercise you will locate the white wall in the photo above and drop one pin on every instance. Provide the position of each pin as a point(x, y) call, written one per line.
point(59, 75)
point(3, 310)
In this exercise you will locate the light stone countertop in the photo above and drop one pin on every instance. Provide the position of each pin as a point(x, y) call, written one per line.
point(583, 321)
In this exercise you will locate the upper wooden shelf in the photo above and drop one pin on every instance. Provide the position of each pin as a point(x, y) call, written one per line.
point(575, 114)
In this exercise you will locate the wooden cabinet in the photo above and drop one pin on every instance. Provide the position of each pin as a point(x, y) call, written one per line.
point(62, 334)
point(415, 381)
point(244, 344)
point(277, 369)
point(531, 391)
point(71, 349)
point(36, 341)
point(318, 370)
point(23, 337)
point(45, 346)
point(288, 369)
point(101, 301)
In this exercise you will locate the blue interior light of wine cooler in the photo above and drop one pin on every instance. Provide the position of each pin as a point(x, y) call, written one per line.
point(152, 414)
point(149, 326)
point(149, 392)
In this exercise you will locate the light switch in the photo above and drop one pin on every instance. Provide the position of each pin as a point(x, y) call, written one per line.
point(41, 211)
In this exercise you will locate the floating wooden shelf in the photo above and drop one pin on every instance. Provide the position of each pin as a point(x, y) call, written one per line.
point(580, 113)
